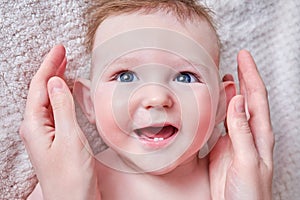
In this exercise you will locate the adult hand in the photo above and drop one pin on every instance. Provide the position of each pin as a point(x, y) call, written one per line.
point(55, 143)
point(241, 163)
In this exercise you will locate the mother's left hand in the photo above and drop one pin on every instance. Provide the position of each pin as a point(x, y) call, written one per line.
point(241, 163)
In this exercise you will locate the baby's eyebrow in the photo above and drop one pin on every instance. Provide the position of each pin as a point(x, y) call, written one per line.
point(135, 60)
point(183, 64)
point(119, 63)
point(125, 60)
point(179, 63)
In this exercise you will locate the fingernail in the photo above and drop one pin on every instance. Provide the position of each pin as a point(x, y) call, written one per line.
point(240, 105)
point(55, 85)
point(228, 77)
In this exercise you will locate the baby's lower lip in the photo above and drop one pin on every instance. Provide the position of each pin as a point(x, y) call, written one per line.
point(157, 141)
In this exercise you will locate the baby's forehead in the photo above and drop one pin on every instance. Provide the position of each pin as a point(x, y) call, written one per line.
point(117, 24)
point(151, 45)
point(198, 30)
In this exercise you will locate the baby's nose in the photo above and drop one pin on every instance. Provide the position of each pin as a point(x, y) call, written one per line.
point(155, 96)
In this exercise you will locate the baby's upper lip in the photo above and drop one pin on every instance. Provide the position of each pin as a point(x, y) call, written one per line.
point(157, 125)
point(156, 132)
point(155, 129)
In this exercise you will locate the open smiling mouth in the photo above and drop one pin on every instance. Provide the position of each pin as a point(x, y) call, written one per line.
point(156, 137)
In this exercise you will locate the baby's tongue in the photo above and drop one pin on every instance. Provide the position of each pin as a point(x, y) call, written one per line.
point(157, 132)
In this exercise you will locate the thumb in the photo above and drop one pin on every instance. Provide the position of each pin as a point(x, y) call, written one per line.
point(239, 131)
point(61, 99)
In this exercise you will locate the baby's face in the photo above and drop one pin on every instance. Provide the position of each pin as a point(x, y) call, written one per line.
point(155, 88)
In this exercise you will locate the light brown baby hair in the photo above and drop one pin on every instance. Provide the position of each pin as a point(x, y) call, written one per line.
point(182, 9)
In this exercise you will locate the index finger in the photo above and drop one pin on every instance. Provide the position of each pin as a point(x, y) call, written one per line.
point(253, 88)
point(37, 94)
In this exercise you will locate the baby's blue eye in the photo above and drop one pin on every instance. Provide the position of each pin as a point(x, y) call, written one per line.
point(127, 76)
point(186, 77)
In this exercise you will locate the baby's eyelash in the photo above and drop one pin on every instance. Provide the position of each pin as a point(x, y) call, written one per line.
point(197, 76)
point(125, 76)
point(115, 76)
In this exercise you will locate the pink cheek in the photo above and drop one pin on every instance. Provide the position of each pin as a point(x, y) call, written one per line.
point(111, 117)
point(102, 102)
point(204, 102)
point(103, 109)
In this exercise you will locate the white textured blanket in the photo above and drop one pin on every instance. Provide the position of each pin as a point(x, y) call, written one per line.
point(270, 29)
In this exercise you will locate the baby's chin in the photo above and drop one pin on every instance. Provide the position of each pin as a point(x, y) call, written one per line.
point(158, 168)
point(173, 168)
point(164, 171)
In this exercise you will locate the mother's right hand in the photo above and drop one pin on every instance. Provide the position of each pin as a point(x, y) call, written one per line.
point(55, 143)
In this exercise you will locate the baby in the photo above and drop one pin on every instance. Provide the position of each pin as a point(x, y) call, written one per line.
point(157, 101)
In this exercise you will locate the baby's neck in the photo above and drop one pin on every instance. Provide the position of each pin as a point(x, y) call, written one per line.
point(190, 179)
point(188, 168)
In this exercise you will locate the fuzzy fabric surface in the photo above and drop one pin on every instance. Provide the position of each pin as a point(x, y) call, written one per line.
point(270, 29)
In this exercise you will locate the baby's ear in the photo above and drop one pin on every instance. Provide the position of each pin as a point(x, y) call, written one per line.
point(82, 93)
point(227, 91)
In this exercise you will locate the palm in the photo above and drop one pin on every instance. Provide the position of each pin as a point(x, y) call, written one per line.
point(230, 179)
point(220, 160)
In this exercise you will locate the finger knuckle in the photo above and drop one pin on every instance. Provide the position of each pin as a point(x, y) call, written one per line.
point(241, 123)
point(60, 102)
point(250, 160)
point(23, 130)
point(34, 81)
point(272, 141)
point(269, 138)
point(262, 90)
